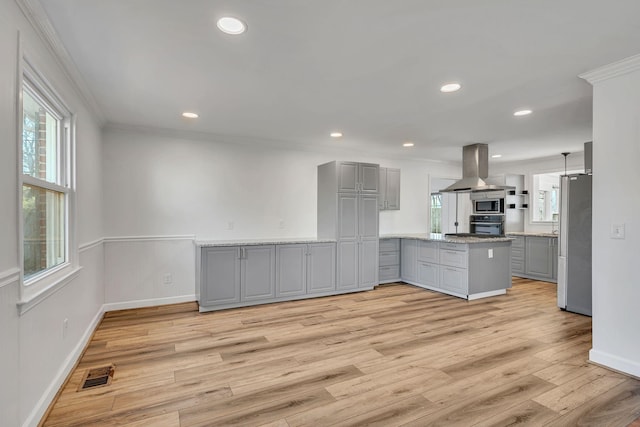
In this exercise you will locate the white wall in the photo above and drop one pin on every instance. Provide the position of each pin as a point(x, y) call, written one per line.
point(616, 156)
point(528, 168)
point(161, 187)
point(35, 356)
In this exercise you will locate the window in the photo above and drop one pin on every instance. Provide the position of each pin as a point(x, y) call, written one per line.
point(546, 197)
point(436, 213)
point(45, 148)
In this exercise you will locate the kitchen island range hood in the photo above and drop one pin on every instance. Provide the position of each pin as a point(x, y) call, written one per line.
point(475, 169)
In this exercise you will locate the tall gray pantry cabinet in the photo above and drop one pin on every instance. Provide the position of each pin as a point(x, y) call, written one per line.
point(348, 212)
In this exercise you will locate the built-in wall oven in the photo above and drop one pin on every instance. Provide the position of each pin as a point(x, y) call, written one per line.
point(489, 225)
point(488, 202)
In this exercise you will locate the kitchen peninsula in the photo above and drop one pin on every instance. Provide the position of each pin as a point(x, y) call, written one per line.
point(466, 267)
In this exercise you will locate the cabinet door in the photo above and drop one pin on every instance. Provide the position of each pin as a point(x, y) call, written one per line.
point(428, 274)
point(291, 270)
point(428, 251)
point(382, 187)
point(408, 259)
point(348, 177)
point(258, 273)
point(454, 279)
point(368, 263)
point(539, 254)
point(321, 267)
point(392, 191)
point(369, 177)
point(368, 217)
point(347, 265)
point(220, 277)
point(348, 216)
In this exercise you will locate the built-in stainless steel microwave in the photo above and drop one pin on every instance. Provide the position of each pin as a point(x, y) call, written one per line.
point(489, 202)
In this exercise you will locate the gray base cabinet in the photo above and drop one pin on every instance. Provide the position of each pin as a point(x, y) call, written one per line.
point(464, 270)
point(237, 276)
point(305, 269)
point(535, 257)
point(389, 261)
point(221, 267)
point(258, 273)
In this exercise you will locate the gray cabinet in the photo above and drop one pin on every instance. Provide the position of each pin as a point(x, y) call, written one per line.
point(321, 267)
point(389, 189)
point(535, 257)
point(291, 270)
point(348, 212)
point(236, 274)
point(409, 260)
point(355, 177)
point(464, 270)
point(389, 261)
point(539, 257)
point(257, 274)
point(305, 269)
point(221, 274)
point(517, 255)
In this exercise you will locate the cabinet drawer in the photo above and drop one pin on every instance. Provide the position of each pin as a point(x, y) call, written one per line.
point(518, 242)
point(517, 254)
point(428, 274)
point(517, 266)
point(389, 245)
point(453, 258)
point(389, 258)
point(427, 251)
point(461, 247)
point(391, 272)
point(454, 279)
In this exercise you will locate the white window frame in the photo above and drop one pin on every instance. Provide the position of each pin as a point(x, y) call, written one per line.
point(37, 287)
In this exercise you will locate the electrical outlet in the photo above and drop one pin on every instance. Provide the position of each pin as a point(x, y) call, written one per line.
point(490, 253)
point(65, 327)
point(281, 224)
point(167, 278)
point(230, 225)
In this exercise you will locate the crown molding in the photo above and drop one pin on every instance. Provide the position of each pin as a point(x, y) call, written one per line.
point(37, 17)
point(615, 69)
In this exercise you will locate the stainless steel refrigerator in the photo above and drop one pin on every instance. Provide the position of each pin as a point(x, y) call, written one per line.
point(574, 255)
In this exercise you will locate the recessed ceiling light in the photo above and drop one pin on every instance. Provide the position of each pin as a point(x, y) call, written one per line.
point(189, 115)
point(522, 113)
point(335, 134)
point(496, 156)
point(450, 87)
point(408, 144)
point(231, 25)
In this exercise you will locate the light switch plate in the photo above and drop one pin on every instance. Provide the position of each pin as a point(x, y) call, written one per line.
point(490, 253)
point(617, 231)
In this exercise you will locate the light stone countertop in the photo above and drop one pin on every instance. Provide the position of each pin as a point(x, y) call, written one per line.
point(436, 237)
point(257, 242)
point(531, 234)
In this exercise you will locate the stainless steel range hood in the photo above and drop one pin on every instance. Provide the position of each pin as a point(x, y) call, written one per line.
point(475, 169)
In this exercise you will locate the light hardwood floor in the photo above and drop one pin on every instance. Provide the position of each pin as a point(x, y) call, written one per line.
point(397, 355)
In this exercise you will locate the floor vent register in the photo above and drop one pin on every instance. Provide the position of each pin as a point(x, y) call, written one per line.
point(97, 377)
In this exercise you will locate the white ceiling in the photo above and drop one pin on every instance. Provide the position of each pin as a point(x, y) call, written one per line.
point(369, 68)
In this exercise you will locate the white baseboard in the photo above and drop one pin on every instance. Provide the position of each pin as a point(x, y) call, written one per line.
point(70, 362)
point(616, 363)
point(148, 302)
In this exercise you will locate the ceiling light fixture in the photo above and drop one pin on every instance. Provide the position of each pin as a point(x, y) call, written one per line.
point(522, 113)
point(335, 134)
point(231, 25)
point(189, 115)
point(450, 87)
point(408, 144)
point(496, 156)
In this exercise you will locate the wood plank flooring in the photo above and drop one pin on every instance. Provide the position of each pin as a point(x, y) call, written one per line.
point(395, 356)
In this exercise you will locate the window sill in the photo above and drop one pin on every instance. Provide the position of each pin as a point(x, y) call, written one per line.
point(30, 301)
